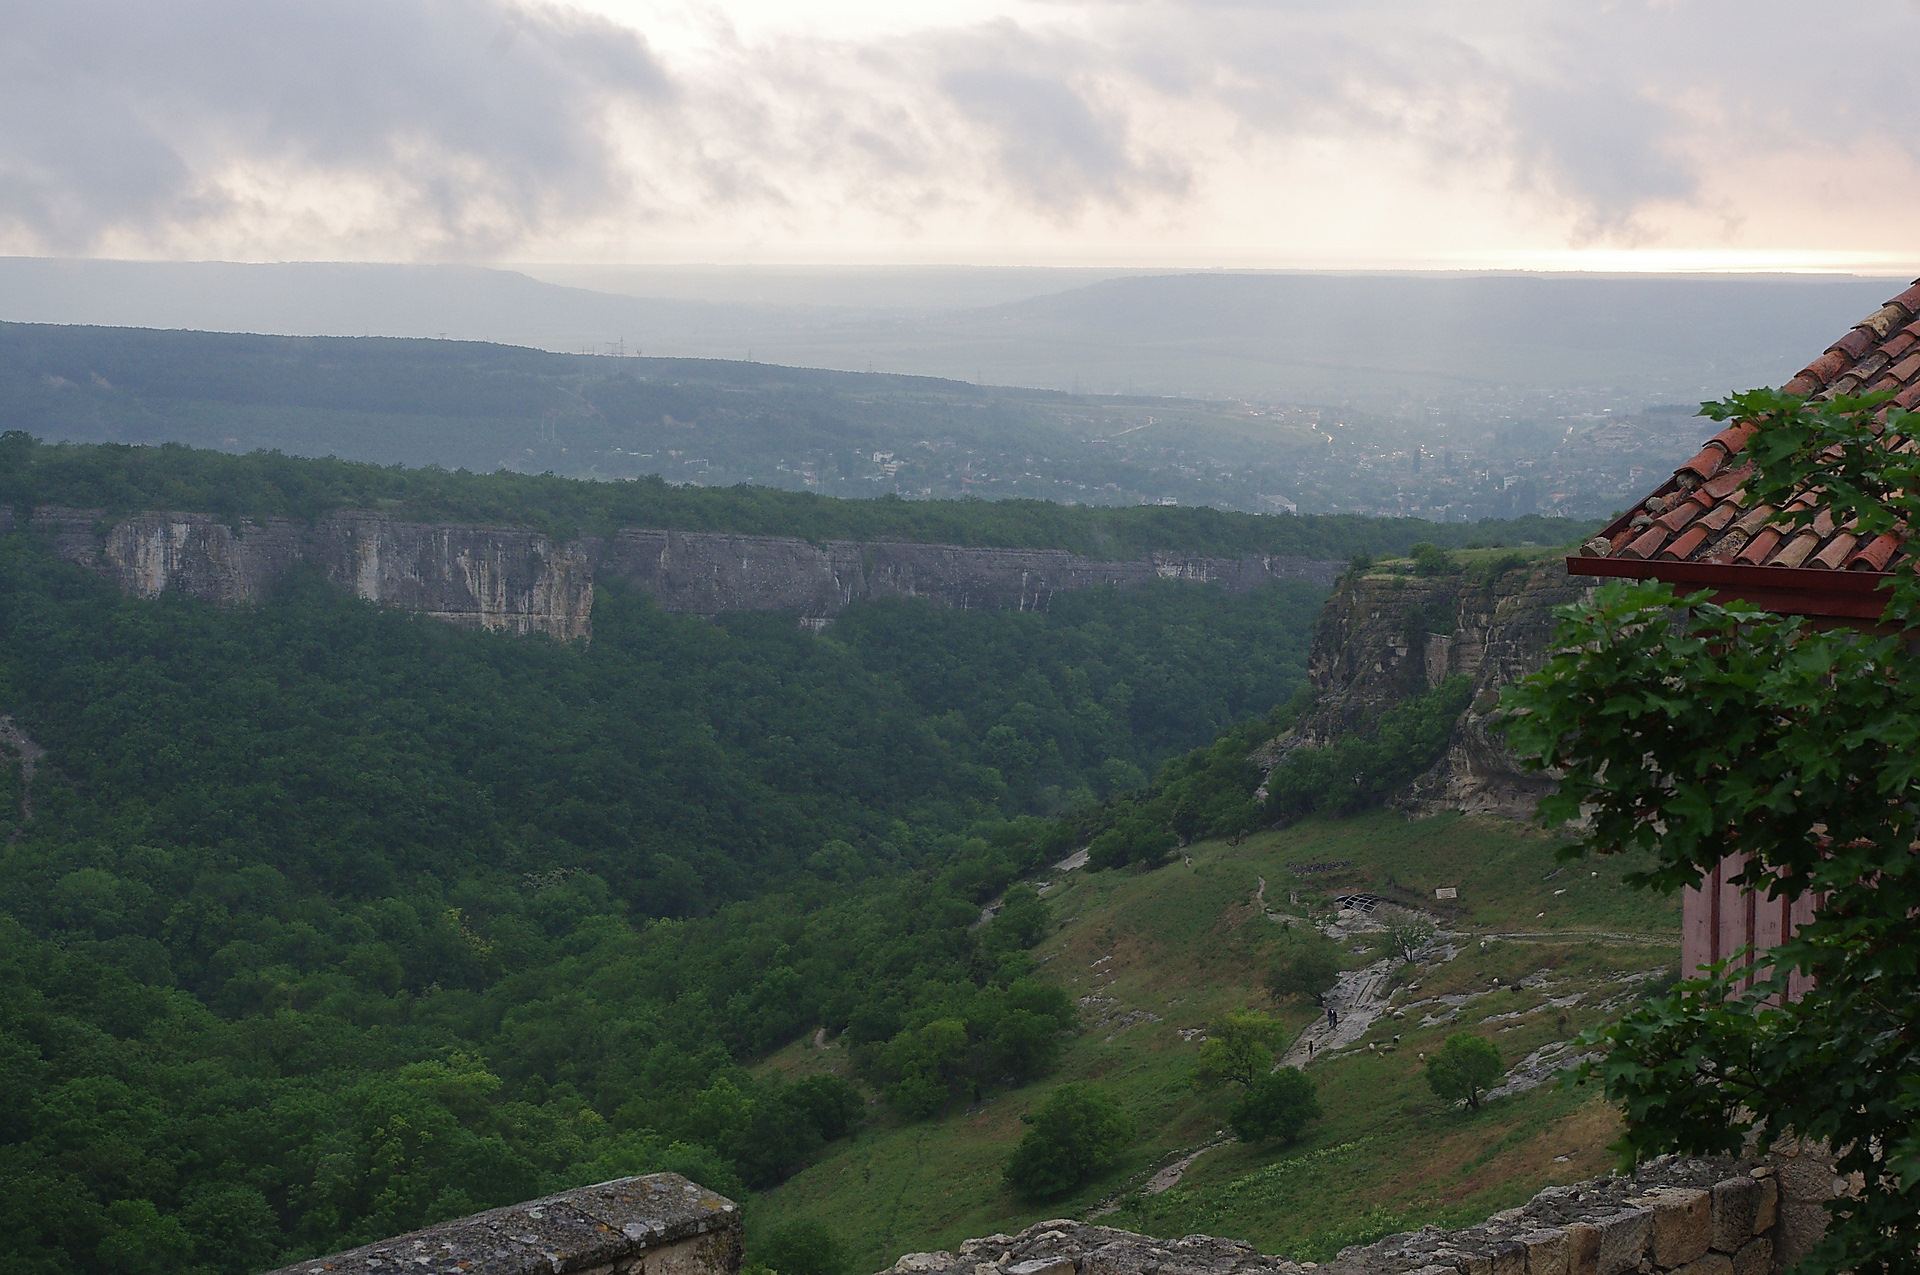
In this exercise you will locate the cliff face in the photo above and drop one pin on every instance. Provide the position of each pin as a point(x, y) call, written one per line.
point(708, 573)
point(523, 582)
point(1384, 639)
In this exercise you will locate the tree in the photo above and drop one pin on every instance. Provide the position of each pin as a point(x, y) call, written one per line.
point(1078, 1134)
point(1687, 730)
point(1239, 1047)
point(801, 1247)
point(1465, 1067)
point(1275, 1107)
point(1406, 931)
point(1310, 968)
point(1430, 559)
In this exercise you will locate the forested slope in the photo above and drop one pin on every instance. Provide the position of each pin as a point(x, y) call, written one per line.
point(332, 920)
point(129, 479)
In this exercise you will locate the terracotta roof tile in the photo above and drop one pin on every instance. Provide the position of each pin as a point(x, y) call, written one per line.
point(1678, 517)
point(1702, 515)
point(1854, 344)
point(1827, 366)
point(1718, 517)
point(1796, 550)
point(1647, 543)
point(1734, 437)
point(1685, 543)
point(1706, 464)
point(1875, 555)
point(1760, 548)
point(1833, 555)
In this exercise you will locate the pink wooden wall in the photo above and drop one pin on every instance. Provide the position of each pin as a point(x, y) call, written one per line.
point(1718, 919)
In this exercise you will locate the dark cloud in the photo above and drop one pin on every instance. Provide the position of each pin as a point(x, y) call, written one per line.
point(466, 127)
point(474, 119)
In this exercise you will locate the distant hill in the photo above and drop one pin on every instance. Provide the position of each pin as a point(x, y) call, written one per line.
point(1370, 340)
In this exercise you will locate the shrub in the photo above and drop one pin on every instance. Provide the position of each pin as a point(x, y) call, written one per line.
point(1431, 560)
point(1239, 1048)
point(1275, 1107)
point(1078, 1134)
point(801, 1247)
point(1310, 968)
point(1466, 1067)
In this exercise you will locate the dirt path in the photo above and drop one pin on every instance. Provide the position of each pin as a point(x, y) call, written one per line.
point(15, 738)
point(1359, 997)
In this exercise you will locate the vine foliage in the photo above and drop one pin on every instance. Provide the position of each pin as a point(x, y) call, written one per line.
point(1686, 730)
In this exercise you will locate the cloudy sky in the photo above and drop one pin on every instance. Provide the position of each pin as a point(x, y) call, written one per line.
point(1636, 133)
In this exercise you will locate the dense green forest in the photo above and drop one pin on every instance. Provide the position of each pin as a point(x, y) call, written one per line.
point(125, 479)
point(332, 920)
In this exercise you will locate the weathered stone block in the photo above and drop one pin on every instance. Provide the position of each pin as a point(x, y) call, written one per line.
point(1510, 1258)
point(1583, 1248)
point(1735, 1202)
point(1766, 1210)
point(1682, 1225)
point(1623, 1239)
point(1754, 1258)
point(1711, 1264)
point(1043, 1266)
point(1546, 1252)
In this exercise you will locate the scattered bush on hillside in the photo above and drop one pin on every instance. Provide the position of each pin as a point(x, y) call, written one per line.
point(801, 1246)
point(1464, 1068)
point(1078, 1134)
point(1276, 1107)
point(1431, 560)
point(1405, 930)
point(1362, 770)
point(1015, 1032)
point(1238, 1048)
point(1304, 966)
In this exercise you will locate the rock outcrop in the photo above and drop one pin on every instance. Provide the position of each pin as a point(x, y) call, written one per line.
point(660, 1224)
point(1701, 1217)
point(523, 582)
point(484, 577)
point(1383, 639)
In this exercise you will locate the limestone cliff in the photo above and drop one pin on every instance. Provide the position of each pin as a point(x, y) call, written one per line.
point(709, 573)
point(523, 582)
point(1383, 639)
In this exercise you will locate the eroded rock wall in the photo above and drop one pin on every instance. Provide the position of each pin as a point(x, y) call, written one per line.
point(1384, 639)
point(709, 573)
point(520, 581)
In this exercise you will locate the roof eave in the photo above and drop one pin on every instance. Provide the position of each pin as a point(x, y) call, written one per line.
point(1841, 595)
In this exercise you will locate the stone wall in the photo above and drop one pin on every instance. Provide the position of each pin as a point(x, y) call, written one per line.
point(661, 1224)
point(1383, 639)
point(1698, 1217)
point(522, 582)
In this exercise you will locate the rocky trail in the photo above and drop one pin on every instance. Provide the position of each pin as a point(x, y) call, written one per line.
point(1360, 997)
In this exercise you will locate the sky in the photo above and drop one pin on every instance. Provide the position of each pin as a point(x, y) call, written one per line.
point(1603, 134)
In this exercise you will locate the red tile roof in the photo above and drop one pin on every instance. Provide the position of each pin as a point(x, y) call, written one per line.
point(1699, 527)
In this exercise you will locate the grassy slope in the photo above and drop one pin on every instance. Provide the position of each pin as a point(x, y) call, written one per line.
point(1188, 942)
